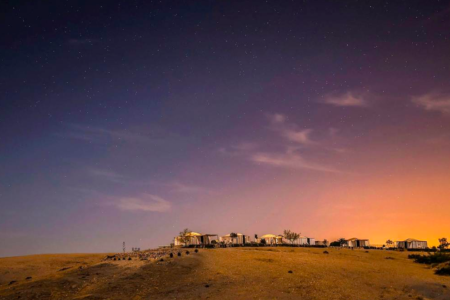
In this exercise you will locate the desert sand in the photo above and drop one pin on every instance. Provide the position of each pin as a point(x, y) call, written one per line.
point(233, 273)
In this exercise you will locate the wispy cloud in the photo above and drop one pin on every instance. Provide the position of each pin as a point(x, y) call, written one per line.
point(298, 136)
point(277, 118)
point(290, 160)
point(296, 140)
point(288, 130)
point(434, 102)
point(145, 202)
point(347, 99)
point(182, 188)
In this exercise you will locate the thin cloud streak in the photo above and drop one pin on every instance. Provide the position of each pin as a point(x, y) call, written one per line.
point(145, 202)
point(290, 161)
point(300, 136)
point(434, 102)
point(347, 99)
point(289, 131)
point(178, 187)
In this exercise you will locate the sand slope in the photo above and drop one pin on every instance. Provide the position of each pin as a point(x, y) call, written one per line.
point(239, 273)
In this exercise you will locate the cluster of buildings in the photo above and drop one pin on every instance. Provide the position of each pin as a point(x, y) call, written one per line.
point(201, 239)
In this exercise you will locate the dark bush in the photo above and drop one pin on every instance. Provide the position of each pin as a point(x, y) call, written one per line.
point(196, 250)
point(444, 270)
point(422, 250)
point(187, 252)
point(179, 253)
point(435, 258)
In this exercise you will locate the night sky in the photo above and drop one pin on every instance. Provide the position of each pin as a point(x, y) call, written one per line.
point(132, 120)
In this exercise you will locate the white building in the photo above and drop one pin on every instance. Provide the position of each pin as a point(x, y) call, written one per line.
point(356, 243)
point(195, 238)
point(272, 239)
point(411, 244)
point(241, 239)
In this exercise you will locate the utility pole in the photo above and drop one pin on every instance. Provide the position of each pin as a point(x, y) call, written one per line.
point(123, 247)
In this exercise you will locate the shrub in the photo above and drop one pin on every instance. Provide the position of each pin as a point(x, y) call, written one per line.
point(435, 258)
point(443, 270)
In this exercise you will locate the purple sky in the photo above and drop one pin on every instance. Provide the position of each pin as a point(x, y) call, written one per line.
point(130, 121)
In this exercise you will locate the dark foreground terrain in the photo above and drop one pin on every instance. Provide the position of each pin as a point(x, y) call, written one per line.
point(237, 273)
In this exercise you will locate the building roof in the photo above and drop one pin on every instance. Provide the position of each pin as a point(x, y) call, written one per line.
point(269, 236)
point(411, 240)
point(192, 233)
point(356, 239)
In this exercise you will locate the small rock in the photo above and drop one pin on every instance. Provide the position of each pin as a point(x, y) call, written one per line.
point(196, 250)
point(129, 258)
point(179, 253)
point(171, 255)
point(444, 286)
point(290, 272)
point(12, 282)
point(325, 252)
point(28, 278)
point(206, 285)
point(162, 259)
point(187, 252)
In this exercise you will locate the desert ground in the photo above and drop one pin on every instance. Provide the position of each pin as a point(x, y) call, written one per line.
point(232, 273)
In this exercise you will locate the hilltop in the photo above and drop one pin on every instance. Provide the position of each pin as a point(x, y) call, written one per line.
point(232, 273)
